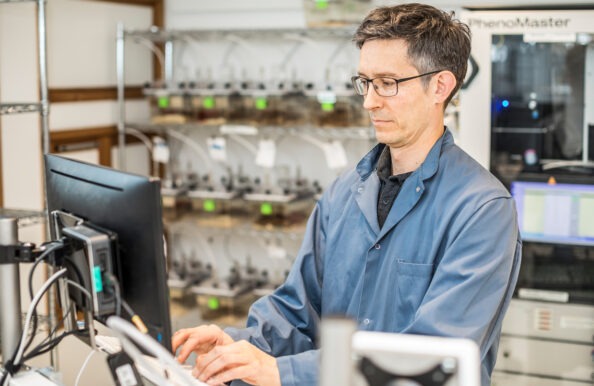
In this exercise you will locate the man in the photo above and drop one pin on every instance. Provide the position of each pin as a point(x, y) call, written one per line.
point(418, 238)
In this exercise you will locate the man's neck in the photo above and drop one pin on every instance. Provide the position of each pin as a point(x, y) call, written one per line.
point(408, 159)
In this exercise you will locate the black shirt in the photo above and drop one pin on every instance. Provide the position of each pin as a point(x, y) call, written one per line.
point(389, 185)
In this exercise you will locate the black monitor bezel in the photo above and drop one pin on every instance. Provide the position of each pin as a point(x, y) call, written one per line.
point(129, 205)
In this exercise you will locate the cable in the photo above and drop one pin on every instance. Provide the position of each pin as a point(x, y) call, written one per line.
point(50, 345)
point(151, 46)
point(83, 367)
point(15, 360)
point(245, 143)
point(32, 306)
point(46, 345)
point(50, 248)
point(193, 145)
point(116, 291)
point(134, 318)
point(81, 289)
point(142, 137)
point(47, 339)
point(121, 303)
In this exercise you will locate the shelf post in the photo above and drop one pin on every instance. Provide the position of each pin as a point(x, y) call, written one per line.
point(120, 36)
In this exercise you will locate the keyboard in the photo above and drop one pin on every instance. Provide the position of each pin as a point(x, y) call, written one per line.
point(108, 344)
point(172, 376)
point(111, 345)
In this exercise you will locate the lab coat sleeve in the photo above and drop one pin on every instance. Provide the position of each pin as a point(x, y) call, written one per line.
point(285, 323)
point(473, 283)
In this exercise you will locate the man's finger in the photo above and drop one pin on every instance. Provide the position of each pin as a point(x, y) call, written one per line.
point(179, 338)
point(196, 342)
point(231, 373)
point(221, 358)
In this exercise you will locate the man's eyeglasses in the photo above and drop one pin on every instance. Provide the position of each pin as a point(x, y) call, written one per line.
point(383, 86)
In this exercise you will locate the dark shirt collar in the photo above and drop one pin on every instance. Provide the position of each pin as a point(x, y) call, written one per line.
point(384, 168)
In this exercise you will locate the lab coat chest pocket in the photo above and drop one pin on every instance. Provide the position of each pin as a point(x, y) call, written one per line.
point(413, 280)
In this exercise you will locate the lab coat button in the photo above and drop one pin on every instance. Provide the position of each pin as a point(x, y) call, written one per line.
point(377, 246)
point(360, 189)
point(366, 322)
point(418, 189)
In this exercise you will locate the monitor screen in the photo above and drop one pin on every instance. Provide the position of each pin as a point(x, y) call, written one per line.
point(558, 213)
point(128, 205)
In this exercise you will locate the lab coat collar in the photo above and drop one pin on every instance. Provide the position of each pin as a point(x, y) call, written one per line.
point(366, 189)
point(428, 168)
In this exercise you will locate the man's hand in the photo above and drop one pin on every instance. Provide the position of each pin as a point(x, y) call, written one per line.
point(200, 340)
point(220, 359)
point(238, 360)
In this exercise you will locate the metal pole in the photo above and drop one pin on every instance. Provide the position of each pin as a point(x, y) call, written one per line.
point(336, 363)
point(10, 293)
point(120, 79)
point(588, 104)
point(169, 64)
point(45, 147)
point(44, 99)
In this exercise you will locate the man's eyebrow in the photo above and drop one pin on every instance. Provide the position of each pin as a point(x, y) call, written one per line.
point(378, 75)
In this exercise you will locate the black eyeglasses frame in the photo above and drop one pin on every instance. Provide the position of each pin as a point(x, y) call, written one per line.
point(398, 81)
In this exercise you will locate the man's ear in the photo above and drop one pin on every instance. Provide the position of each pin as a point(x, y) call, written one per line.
point(445, 83)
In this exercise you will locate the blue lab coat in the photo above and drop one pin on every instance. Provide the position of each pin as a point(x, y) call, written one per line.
point(445, 263)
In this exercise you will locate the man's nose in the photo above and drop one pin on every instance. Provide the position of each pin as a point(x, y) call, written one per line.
point(372, 100)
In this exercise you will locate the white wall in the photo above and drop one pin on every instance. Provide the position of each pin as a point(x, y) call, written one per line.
point(81, 53)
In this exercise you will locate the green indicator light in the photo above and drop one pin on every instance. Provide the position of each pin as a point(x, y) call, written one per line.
point(208, 103)
point(213, 303)
point(209, 206)
point(327, 106)
point(266, 208)
point(261, 103)
point(98, 279)
point(163, 102)
point(321, 4)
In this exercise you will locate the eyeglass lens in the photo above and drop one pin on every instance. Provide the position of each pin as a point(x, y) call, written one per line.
point(382, 86)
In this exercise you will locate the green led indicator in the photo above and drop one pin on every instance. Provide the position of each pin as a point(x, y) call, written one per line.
point(208, 103)
point(326, 106)
point(213, 303)
point(321, 4)
point(98, 279)
point(261, 103)
point(163, 102)
point(209, 205)
point(266, 208)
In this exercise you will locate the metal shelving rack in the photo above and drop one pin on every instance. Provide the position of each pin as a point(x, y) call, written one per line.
point(26, 217)
point(29, 217)
point(163, 36)
point(169, 37)
point(43, 105)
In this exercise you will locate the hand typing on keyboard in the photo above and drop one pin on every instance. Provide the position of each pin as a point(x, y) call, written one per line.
point(156, 366)
point(221, 359)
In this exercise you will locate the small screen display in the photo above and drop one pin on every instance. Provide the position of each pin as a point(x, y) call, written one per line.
point(558, 213)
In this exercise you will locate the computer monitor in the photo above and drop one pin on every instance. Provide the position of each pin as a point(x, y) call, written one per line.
point(556, 211)
point(419, 360)
point(126, 207)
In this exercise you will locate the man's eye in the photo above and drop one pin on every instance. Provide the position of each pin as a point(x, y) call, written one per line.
point(386, 82)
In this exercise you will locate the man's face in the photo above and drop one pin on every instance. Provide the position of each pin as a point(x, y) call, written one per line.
point(400, 121)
